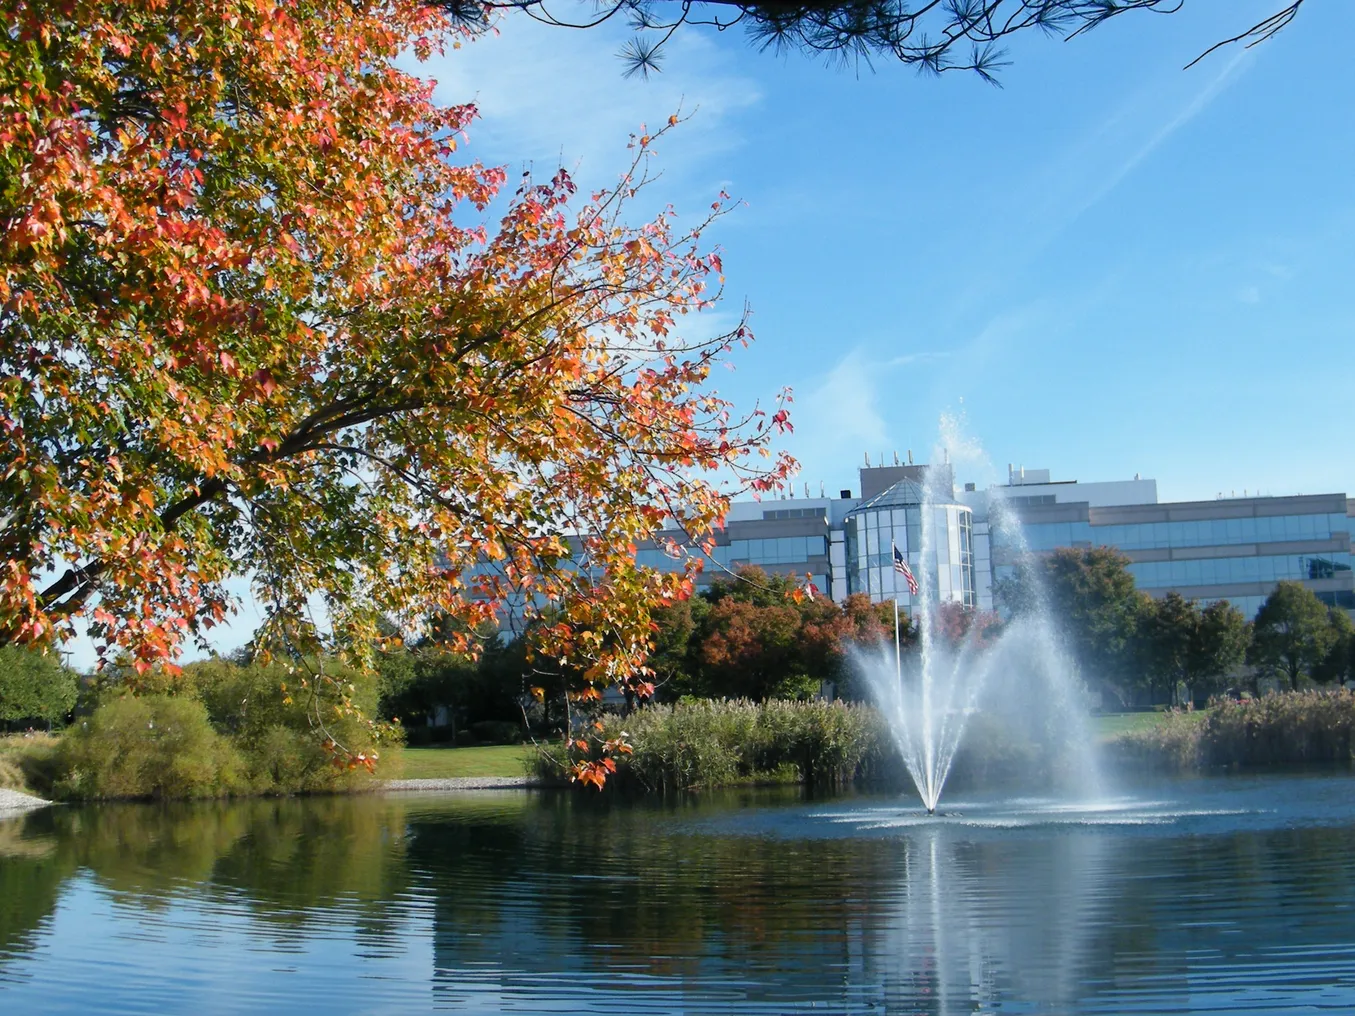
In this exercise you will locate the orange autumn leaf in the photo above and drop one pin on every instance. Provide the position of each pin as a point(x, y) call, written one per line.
point(264, 334)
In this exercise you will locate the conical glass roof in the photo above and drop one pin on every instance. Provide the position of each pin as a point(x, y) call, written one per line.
point(905, 493)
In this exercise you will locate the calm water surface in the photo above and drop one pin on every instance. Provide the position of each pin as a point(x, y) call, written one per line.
point(1214, 895)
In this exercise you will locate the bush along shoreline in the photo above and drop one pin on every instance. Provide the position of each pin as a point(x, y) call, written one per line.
point(704, 744)
point(1293, 728)
point(222, 729)
point(230, 730)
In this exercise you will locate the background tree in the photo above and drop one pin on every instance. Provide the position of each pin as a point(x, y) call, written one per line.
point(35, 687)
point(964, 35)
point(1182, 644)
point(1218, 648)
point(250, 326)
point(1291, 633)
point(760, 637)
point(1167, 630)
point(958, 625)
point(754, 651)
point(1091, 595)
point(1338, 663)
point(870, 624)
point(672, 657)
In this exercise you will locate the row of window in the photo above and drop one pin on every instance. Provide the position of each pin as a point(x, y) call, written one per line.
point(778, 550)
point(952, 583)
point(1200, 533)
point(1217, 532)
point(875, 532)
point(1219, 571)
point(773, 550)
point(1051, 535)
point(795, 513)
point(1249, 605)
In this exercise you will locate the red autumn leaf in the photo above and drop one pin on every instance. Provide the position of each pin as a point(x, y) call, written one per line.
point(341, 380)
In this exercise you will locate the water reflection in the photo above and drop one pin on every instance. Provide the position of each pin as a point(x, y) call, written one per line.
point(1214, 898)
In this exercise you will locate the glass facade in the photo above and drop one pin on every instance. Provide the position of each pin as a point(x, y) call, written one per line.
point(1216, 532)
point(1220, 571)
point(946, 572)
point(1232, 568)
point(1051, 535)
point(772, 550)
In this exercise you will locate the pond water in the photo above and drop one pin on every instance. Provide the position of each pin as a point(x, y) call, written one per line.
point(1208, 895)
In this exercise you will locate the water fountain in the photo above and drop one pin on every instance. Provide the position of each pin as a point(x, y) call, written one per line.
point(929, 693)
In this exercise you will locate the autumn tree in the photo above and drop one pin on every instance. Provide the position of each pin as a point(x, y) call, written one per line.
point(1291, 633)
point(958, 626)
point(958, 35)
point(760, 635)
point(250, 324)
point(870, 624)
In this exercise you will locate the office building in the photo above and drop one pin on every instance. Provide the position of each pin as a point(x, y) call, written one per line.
point(1233, 548)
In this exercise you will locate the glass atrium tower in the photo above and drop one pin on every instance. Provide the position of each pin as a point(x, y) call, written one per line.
point(894, 517)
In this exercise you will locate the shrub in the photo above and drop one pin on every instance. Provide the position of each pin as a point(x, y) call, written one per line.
point(28, 762)
point(155, 746)
point(1291, 728)
point(497, 732)
point(1176, 742)
point(273, 724)
point(222, 729)
point(1286, 729)
point(710, 743)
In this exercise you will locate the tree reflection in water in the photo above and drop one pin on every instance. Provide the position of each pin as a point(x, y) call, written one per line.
point(738, 903)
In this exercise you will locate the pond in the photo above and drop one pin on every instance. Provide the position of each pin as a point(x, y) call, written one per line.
point(1220, 894)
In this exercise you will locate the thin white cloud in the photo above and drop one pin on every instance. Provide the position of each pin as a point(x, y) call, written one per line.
point(838, 421)
point(551, 97)
point(911, 359)
point(1186, 111)
point(1089, 169)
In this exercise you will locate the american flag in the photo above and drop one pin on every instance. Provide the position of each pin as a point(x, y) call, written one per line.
point(901, 566)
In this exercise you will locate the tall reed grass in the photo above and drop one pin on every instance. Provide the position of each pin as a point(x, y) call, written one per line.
point(712, 743)
point(1287, 729)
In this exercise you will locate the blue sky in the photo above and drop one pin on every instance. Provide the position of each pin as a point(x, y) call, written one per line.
point(1110, 265)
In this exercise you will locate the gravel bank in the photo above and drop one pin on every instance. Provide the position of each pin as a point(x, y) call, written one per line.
point(466, 783)
point(14, 803)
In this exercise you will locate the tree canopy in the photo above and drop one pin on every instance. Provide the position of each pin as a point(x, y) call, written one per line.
point(1182, 643)
point(252, 324)
point(752, 636)
point(1092, 594)
point(1292, 633)
point(1338, 664)
point(933, 35)
point(35, 686)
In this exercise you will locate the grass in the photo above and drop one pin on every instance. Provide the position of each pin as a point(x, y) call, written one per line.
point(1108, 726)
point(26, 762)
point(445, 763)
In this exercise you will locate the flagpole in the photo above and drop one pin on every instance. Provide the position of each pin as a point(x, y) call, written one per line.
point(898, 661)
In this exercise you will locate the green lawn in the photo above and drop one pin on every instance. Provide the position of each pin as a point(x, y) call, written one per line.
point(512, 759)
point(1111, 725)
point(442, 763)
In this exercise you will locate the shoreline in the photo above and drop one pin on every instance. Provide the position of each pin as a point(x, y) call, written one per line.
point(461, 783)
point(16, 802)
